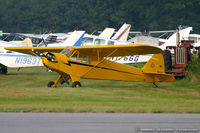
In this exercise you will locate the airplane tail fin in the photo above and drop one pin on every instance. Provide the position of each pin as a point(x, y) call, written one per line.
point(26, 43)
point(184, 32)
point(122, 33)
point(107, 32)
point(156, 67)
point(75, 38)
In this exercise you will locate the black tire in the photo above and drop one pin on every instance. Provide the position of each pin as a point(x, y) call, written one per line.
point(76, 84)
point(4, 70)
point(167, 59)
point(50, 84)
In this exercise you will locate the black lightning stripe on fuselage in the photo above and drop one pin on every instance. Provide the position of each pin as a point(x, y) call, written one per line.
point(78, 63)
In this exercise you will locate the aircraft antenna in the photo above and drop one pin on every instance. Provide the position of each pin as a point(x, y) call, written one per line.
point(94, 32)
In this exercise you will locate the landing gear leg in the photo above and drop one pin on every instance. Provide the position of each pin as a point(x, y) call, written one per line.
point(58, 81)
point(66, 78)
point(75, 81)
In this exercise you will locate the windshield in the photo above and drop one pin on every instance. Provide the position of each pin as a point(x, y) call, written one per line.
point(67, 51)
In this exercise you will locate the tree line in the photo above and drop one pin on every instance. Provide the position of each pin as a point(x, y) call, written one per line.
point(39, 16)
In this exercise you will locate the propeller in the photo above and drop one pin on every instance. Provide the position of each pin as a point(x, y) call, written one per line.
point(38, 53)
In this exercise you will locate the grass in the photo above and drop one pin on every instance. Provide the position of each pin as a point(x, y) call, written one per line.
point(26, 91)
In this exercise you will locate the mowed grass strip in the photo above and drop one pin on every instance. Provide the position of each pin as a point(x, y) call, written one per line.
point(26, 91)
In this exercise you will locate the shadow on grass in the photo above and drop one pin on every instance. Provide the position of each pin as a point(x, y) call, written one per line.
point(114, 84)
point(30, 73)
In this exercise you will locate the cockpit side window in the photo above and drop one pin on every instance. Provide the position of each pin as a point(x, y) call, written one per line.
point(36, 40)
point(84, 59)
point(76, 56)
point(110, 42)
point(67, 52)
point(195, 39)
point(98, 42)
point(87, 41)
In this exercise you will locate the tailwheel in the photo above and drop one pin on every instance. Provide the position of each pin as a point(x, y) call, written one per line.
point(76, 84)
point(50, 84)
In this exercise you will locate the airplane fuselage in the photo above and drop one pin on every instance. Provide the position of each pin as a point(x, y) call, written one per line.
point(91, 68)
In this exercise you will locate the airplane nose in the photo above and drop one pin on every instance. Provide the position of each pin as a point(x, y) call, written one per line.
point(50, 56)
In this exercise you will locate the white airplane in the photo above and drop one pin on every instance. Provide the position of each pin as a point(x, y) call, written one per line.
point(104, 38)
point(36, 39)
point(183, 31)
point(4, 44)
point(196, 39)
point(25, 43)
point(18, 60)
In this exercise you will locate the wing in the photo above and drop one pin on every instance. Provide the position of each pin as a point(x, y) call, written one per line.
point(28, 50)
point(96, 51)
point(74, 40)
point(117, 50)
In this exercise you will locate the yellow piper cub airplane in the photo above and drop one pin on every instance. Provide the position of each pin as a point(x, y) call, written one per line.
point(92, 63)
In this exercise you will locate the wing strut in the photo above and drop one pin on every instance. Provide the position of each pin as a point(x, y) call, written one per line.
point(100, 61)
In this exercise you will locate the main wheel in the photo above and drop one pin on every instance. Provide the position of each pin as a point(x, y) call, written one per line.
point(50, 84)
point(4, 70)
point(76, 84)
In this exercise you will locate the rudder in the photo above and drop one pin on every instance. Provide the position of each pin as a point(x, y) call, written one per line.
point(155, 65)
point(155, 68)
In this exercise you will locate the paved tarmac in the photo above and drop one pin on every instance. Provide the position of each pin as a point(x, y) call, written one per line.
point(98, 123)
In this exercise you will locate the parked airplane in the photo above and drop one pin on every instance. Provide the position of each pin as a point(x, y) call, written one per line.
point(91, 63)
point(123, 32)
point(16, 60)
point(104, 38)
point(183, 31)
point(196, 39)
point(19, 60)
point(4, 44)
